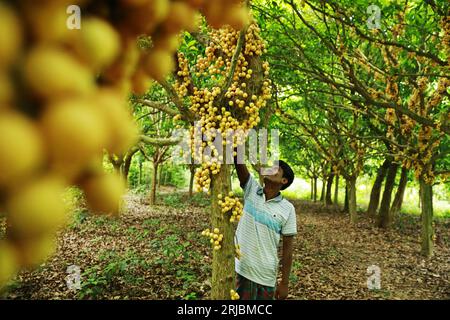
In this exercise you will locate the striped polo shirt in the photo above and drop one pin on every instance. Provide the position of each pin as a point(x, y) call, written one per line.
point(259, 231)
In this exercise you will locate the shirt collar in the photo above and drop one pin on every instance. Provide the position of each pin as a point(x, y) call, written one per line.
point(260, 192)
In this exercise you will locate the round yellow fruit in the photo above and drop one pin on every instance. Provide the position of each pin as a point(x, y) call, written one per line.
point(122, 131)
point(167, 42)
point(10, 35)
point(21, 148)
point(145, 16)
point(104, 193)
point(158, 64)
point(35, 251)
point(37, 208)
point(141, 82)
point(6, 89)
point(8, 262)
point(50, 72)
point(97, 42)
point(236, 17)
point(48, 23)
point(134, 3)
point(181, 16)
point(74, 132)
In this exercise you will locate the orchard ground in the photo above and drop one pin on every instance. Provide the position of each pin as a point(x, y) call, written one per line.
point(157, 252)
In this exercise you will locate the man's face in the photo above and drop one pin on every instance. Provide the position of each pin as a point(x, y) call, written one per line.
point(273, 175)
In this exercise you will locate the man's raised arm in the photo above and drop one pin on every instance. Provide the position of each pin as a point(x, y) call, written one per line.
point(242, 172)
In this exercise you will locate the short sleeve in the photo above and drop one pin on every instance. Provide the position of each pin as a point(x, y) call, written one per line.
point(250, 186)
point(290, 227)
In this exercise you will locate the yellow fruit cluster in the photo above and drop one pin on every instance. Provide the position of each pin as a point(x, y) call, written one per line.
point(181, 87)
point(55, 123)
point(237, 250)
point(63, 102)
point(215, 237)
point(223, 12)
point(219, 111)
point(163, 20)
point(231, 203)
point(234, 295)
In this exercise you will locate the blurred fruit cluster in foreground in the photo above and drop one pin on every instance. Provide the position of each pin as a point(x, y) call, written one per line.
point(64, 102)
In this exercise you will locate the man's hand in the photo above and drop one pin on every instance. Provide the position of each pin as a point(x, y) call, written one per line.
point(242, 171)
point(281, 292)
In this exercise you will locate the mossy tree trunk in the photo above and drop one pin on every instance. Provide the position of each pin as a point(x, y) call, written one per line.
point(346, 203)
point(328, 200)
point(154, 183)
point(426, 196)
point(384, 216)
point(191, 179)
point(126, 164)
point(323, 196)
point(223, 274)
point(352, 199)
point(376, 189)
point(315, 189)
point(400, 193)
point(336, 190)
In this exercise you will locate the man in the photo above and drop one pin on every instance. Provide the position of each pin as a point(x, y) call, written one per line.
point(267, 217)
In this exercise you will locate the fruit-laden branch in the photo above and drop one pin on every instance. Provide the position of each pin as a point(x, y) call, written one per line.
point(201, 38)
point(362, 89)
point(234, 61)
point(159, 106)
point(160, 141)
point(310, 132)
point(185, 112)
point(365, 36)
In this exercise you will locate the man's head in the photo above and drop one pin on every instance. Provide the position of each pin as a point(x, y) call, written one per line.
point(280, 176)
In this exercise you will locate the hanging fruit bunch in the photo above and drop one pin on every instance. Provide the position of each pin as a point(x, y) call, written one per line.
point(231, 204)
point(63, 102)
point(237, 89)
point(234, 295)
point(215, 238)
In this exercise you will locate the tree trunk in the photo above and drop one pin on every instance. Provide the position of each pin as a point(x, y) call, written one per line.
point(223, 275)
point(352, 199)
point(191, 179)
point(161, 176)
point(328, 200)
point(154, 183)
point(376, 189)
point(322, 194)
point(398, 199)
point(126, 167)
point(346, 204)
point(312, 188)
point(140, 173)
point(336, 191)
point(116, 166)
point(426, 196)
point(420, 197)
point(384, 216)
point(315, 189)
